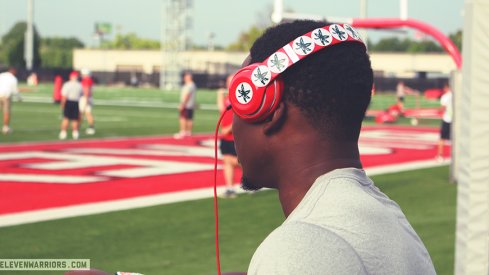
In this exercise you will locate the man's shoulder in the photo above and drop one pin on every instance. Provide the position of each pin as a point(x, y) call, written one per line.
point(302, 247)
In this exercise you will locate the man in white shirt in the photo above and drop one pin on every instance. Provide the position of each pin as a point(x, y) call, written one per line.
point(186, 107)
point(8, 89)
point(71, 93)
point(446, 122)
point(337, 221)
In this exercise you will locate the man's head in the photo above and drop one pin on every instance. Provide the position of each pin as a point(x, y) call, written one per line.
point(187, 77)
point(331, 89)
point(12, 70)
point(74, 75)
point(446, 87)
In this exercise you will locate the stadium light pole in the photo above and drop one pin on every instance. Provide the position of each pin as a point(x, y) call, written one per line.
point(363, 14)
point(403, 9)
point(29, 36)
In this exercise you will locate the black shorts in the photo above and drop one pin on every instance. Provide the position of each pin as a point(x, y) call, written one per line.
point(187, 113)
point(227, 147)
point(71, 110)
point(445, 130)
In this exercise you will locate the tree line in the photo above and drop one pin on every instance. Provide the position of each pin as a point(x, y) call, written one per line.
point(57, 52)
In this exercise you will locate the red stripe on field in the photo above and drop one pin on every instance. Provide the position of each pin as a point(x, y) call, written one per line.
point(25, 196)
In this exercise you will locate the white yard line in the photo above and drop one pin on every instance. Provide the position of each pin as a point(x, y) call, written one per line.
point(126, 103)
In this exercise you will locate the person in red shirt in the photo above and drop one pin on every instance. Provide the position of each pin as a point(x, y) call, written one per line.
point(230, 159)
point(86, 102)
point(58, 83)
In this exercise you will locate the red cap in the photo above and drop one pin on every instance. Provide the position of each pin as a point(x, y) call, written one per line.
point(73, 74)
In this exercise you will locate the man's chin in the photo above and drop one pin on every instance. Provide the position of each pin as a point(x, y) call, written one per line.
point(249, 185)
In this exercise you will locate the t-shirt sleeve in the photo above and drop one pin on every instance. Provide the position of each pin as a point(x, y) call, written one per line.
point(64, 90)
point(302, 248)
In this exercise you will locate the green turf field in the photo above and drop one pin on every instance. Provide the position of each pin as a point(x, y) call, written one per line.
point(123, 112)
point(179, 238)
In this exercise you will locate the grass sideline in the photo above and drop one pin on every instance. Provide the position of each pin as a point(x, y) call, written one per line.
point(179, 238)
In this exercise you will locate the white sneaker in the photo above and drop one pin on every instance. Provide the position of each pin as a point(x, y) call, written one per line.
point(90, 131)
point(75, 135)
point(6, 130)
point(178, 136)
point(62, 135)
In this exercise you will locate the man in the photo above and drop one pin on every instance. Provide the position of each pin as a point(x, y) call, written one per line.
point(71, 92)
point(337, 221)
point(446, 122)
point(401, 91)
point(186, 107)
point(86, 102)
point(8, 88)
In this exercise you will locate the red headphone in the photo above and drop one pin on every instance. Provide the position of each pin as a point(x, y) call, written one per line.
point(256, 90)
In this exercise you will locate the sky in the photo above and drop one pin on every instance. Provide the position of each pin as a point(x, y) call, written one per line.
point(225, 18)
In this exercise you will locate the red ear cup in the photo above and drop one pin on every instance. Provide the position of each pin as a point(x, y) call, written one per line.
point(252, 103)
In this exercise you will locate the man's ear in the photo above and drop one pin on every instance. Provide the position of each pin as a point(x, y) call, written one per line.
point(275, 121)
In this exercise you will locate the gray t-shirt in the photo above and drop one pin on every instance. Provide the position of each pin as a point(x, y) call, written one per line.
point(189, 89)
point(72, 90)
point(343, 225)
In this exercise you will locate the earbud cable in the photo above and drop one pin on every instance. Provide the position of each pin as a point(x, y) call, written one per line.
point(216, 211)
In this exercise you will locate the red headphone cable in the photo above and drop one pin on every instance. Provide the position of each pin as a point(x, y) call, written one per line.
point(216, 211)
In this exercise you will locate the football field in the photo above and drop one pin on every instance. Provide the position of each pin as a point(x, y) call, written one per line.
point(132, 198)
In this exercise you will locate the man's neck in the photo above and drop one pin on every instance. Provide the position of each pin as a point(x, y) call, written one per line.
point(302, 170)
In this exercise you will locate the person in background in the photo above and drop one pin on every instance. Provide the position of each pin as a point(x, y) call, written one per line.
point(58, 83)
point(71, 92)
point(186, 107)
point(401, 91)
point(446, 122)
point(226, 146)
point(8, 89)
point(86, 101)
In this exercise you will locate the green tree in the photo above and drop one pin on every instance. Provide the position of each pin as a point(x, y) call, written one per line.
point(394, 44)
point(57, 52)
point(425, 46)
point(390, 44)
point(130, 41)
point(12, 50)
point(246, 39)
point(456, 39)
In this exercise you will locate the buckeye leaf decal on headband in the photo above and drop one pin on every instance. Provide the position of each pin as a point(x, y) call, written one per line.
point(324, 39)
point(244, 93)
point(301, 45)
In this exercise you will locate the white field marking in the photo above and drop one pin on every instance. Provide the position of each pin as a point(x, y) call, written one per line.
point(50, 178)
point(103, 207)
point(97, 141)
point(125, 103)
point(151, 150)
point(144, 168)
point(380, 144)
point(400, 136)
point(110, 119)
point(145, 201)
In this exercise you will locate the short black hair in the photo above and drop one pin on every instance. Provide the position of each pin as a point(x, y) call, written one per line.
point(332, 88)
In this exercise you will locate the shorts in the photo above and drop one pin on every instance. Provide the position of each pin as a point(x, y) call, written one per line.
point(71, 110)
point(5, 103)
point(187, 113)
point(227, 148)
point(445, 130)
point(85, 105)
